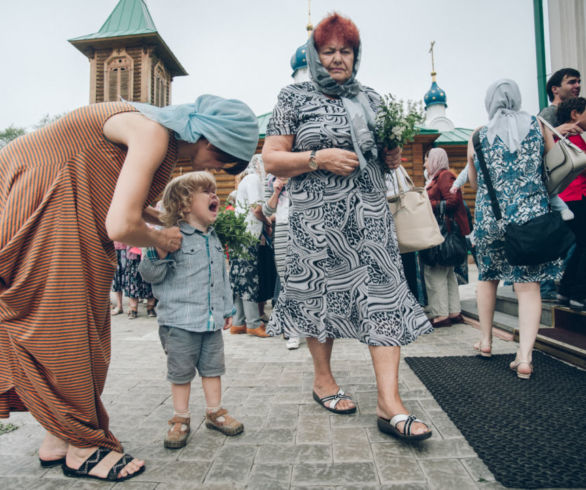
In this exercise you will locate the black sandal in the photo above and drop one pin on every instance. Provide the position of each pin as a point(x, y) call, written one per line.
point(389, 426)
point(132, 314)
point(49, 463)
point(333, 400)
point(98, 455)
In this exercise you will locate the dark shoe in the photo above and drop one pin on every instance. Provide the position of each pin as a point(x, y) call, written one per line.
point(330, 402)
point(89, 464)
point(151, 312)
point(49, 463)
point(132, 314)
point(178, 433)
point(456, 319)
point(389, 426)
point(442, 323)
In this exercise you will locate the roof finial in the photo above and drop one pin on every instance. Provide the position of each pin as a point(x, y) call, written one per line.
point(309, 24)
point(433, 73)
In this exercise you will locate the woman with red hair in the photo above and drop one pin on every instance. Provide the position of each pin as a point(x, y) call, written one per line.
point(344, 277)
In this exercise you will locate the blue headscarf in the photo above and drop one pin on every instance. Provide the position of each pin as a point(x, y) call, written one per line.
point(228, 124)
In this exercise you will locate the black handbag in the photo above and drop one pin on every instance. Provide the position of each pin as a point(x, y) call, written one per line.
point(267, 271)
point(539, 240)
point(454, 250)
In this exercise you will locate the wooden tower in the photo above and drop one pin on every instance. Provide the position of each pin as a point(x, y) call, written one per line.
point(128, 58)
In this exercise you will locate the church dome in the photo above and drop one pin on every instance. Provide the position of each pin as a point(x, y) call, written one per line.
point(299, 58)
point(435, 95)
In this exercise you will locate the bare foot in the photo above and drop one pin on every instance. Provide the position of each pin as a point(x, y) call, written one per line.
point(52, 448)
point(76, 456)
point(416, 428)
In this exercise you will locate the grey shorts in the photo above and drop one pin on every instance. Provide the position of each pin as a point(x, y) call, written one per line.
point(187, 351)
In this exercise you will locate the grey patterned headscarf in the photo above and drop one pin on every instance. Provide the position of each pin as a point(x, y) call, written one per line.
point(507, 121)
point(361, 116)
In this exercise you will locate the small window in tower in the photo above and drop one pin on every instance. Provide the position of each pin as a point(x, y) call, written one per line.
point(118, 78)
point(160, 97)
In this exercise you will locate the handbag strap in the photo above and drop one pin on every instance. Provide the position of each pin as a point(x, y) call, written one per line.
point(491, 192)
point(560, 136)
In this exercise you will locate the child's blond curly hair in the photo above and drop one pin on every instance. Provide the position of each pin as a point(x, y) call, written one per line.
point(179, 192)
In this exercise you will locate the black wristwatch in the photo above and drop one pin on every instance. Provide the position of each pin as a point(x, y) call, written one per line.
point(312, 161)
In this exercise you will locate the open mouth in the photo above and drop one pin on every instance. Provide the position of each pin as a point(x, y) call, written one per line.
point(214, 206)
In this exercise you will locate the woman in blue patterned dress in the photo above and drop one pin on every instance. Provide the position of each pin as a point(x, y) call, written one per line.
point(513, 143)
point(344, 276)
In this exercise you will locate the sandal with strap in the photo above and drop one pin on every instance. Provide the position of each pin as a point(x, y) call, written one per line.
point(482, 349)
point(221, 421)
point(84, 471)
point(49, 463)
point(515, 367)
point(330, 402)
point(389, 426)
point(178, 433)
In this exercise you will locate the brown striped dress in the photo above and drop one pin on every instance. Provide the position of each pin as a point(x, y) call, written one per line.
point(56, 269)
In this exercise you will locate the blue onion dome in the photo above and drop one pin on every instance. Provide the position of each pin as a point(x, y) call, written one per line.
point(299, 58)
point(435, 95)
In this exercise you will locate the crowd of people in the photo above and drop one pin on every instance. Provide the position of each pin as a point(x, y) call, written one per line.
point(317, 196)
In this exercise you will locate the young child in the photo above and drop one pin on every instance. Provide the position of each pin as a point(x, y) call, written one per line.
point(195, 302)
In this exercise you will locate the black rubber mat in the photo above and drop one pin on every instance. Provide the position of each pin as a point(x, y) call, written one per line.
point(529, 433)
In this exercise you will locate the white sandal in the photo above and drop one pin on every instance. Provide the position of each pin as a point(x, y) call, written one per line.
point(390, 427)
point(479, 346)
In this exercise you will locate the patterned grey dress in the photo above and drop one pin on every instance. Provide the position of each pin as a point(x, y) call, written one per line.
point(344, 276)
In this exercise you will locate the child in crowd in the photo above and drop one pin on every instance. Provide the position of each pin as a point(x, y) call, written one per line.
point(195, 302)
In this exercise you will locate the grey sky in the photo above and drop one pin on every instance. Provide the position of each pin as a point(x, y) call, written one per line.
point(241, 49)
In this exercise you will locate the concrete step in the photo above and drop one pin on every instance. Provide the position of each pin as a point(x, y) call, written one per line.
point(567, 344)
point(504, 321)
point(506, 302)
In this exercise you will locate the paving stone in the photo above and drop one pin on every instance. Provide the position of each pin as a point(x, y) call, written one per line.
point(478, 470)
point(174, 472)
point(263, 436)
point(446, 475)
point(22, 483)
point(395, 469)
point(231, 472)
point(298, 454)
point(443, 449)
point(335, 474)
point(270, 476)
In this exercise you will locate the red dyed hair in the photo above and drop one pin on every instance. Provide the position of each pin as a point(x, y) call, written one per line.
point(336, 27)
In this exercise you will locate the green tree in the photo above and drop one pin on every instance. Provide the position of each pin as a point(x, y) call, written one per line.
point(9, 134)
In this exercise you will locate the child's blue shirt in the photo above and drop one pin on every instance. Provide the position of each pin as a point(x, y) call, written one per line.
point(191, 284)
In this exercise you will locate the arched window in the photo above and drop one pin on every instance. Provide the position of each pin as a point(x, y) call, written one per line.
point(118, 78)
point(161, 96)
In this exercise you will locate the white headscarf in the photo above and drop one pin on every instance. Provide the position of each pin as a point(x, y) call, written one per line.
point(506, 120)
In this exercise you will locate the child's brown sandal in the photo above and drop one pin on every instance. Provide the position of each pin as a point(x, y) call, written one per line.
point(229, 426)
point(178, 433)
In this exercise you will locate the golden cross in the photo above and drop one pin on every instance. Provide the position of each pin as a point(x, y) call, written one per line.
point(432, 60)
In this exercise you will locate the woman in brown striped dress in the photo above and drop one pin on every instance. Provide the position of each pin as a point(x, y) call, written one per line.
point(67, 191)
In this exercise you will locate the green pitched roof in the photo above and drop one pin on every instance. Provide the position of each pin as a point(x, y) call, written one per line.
point(129, 18)
point(458, 136)
point(129, 24)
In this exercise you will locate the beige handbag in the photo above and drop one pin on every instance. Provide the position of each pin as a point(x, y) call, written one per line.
point(416, 226)
point(563, 163)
